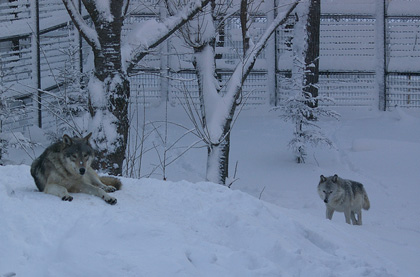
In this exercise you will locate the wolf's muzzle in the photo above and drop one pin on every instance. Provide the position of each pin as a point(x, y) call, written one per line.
point(82, 170)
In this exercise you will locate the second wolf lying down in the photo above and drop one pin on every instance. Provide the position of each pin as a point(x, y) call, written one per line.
point(65, 167)
point(343, 195)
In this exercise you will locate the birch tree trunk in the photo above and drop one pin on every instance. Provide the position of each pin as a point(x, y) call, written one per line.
point(214, 134)
point(218, 161)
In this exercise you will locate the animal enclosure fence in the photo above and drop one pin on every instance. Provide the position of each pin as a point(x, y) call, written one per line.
point(369, 57)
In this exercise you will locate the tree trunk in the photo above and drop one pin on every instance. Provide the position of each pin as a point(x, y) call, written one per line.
point(112, 131)
point(216, 127)
point(218, 110)
point(312, 52)
point(218, 161)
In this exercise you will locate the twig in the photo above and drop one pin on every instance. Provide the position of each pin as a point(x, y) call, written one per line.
point(261, 193)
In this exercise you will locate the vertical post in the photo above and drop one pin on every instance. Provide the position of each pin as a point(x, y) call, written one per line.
point(380, 82)
point(385, 72)
point(80, 42)
point(164, 60)
point(36, 58)
point(271, 56)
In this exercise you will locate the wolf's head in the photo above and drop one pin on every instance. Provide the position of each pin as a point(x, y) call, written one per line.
point(78, 153)
point(327, 187)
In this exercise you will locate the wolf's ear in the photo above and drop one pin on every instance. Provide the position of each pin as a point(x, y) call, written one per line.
point(323, 179)
point(88, 136)
point(67, 140)
point(335, 178)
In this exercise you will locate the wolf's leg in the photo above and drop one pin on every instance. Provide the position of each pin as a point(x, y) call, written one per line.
point(89, 189)
point(329, 213)
point(347, 215)
point(353, 218)
point(359, 217)
point(59, 191)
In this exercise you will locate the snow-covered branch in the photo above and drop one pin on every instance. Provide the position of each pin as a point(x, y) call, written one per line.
point(88, 33)
point(152, 33)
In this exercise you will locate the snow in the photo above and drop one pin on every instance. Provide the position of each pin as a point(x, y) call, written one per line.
point(348, 7)
point(403, 7)
point(144, 36)
point(270, 223)
point(97, 92)
point(104, 9)
point(216, 110)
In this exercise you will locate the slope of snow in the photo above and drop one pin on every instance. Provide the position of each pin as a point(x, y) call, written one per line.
point(180, 228)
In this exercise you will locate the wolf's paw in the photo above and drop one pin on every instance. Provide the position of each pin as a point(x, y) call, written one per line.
point(110, 200)
point(67, 198)
point(110, 189)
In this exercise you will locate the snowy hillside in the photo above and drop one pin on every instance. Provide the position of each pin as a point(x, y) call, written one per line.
point(179, 228)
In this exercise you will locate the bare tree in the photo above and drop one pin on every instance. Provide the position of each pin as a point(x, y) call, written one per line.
point(217, 108)
point(109, 87)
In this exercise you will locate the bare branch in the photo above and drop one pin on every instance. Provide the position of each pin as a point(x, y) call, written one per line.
point(125, 8)
point(88, 33)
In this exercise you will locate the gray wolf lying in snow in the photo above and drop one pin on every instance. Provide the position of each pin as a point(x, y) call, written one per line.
point(65, 167)
point(343, 195)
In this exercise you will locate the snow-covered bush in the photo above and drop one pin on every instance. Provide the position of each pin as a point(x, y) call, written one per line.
point(69, 105)
point(11, 110)
point(304, 117)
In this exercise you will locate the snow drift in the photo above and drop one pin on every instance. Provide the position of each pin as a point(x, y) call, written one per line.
point(170, 229)
point(179, 228)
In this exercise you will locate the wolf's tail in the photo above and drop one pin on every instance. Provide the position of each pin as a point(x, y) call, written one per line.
point(366, 202)
point(111, 181)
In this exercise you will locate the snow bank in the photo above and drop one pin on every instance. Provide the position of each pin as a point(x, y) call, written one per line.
point(185, 229)
point(171, 229)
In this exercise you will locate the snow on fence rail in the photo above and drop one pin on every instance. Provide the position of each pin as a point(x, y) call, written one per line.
point(14, 10)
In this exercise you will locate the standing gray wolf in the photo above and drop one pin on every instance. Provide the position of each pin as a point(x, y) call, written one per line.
point(65, 167)
point(343, 195)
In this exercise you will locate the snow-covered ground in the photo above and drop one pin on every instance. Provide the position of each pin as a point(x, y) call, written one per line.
point(270, 223)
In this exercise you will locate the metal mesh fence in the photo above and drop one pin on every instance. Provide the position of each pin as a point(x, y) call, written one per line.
point(349, 57)
point(403, 90)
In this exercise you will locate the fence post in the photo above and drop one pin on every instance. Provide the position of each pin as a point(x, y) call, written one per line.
point(36, 57)
point(380, 42)
point(80, 42)
point(164, 61)
point(271, 56)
